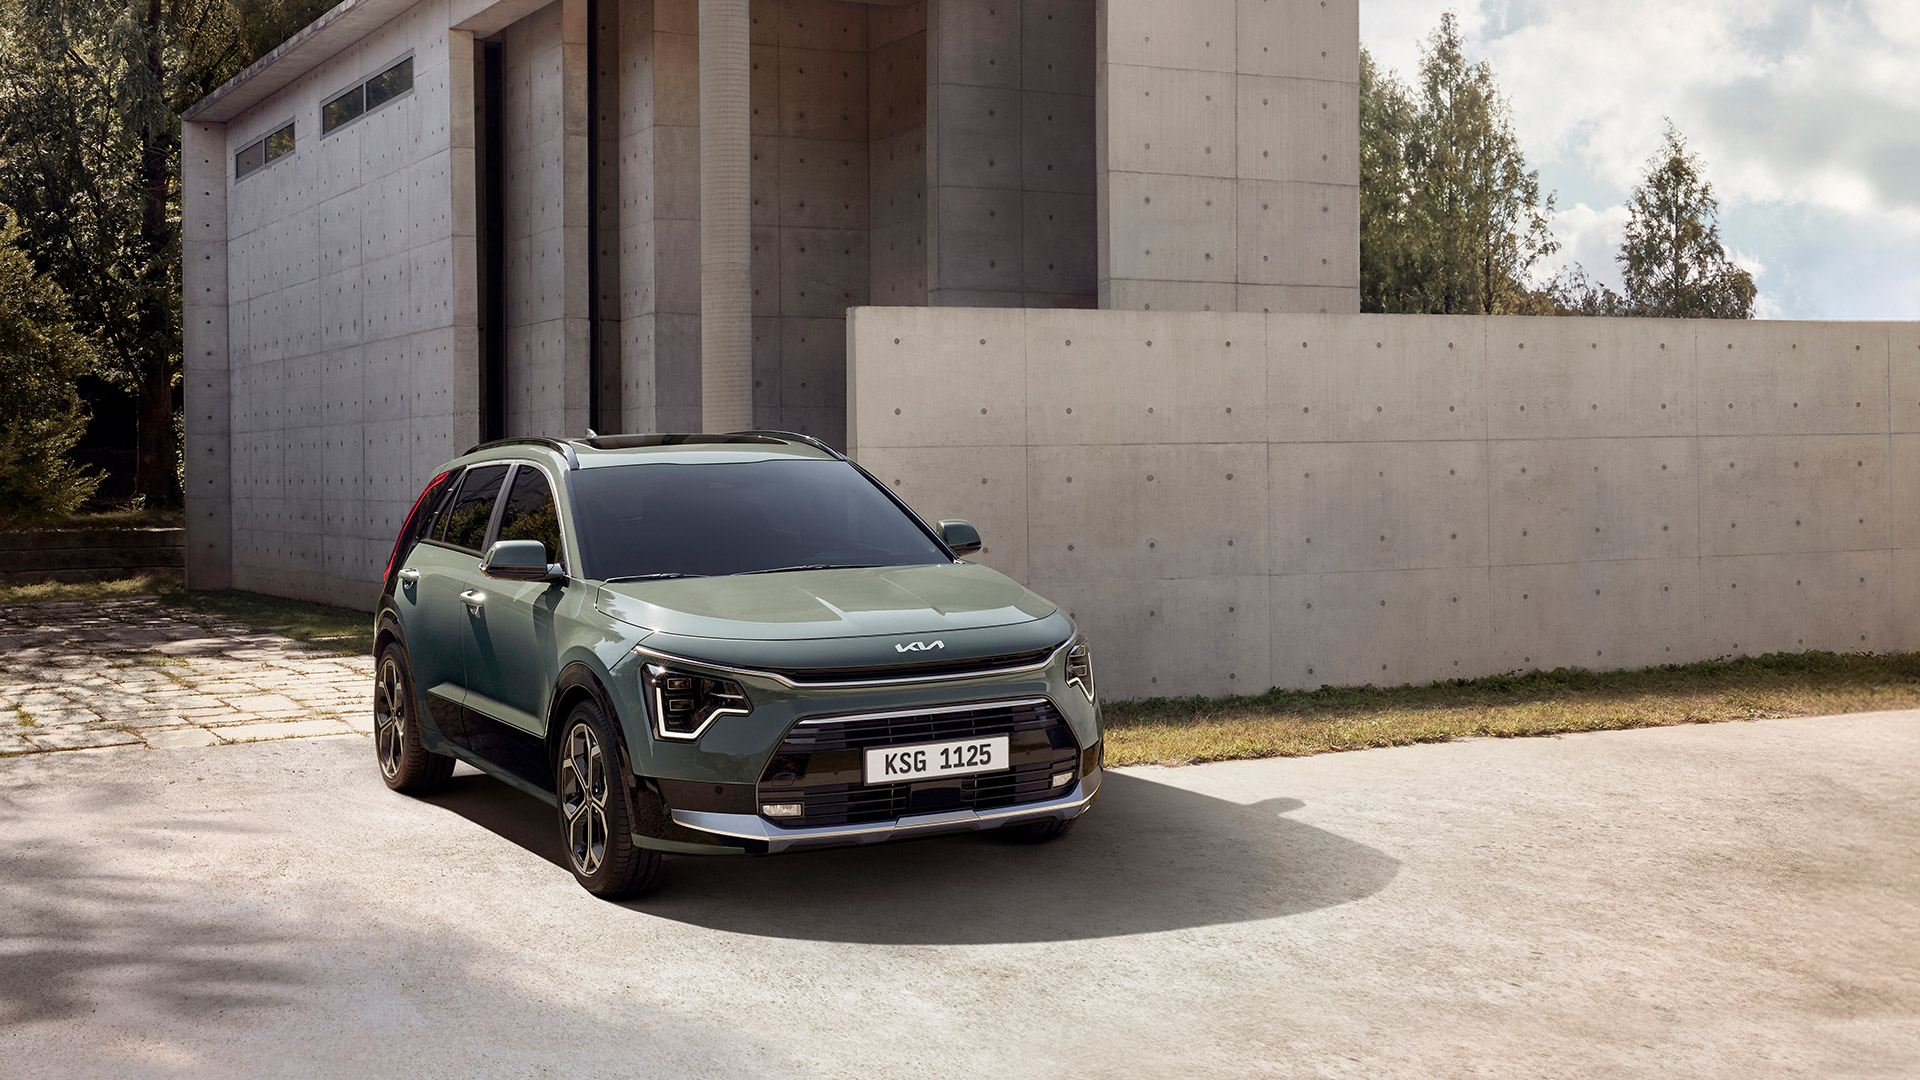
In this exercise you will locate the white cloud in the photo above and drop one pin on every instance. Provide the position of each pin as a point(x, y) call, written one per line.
point(1589, 237)
point(1806, 113)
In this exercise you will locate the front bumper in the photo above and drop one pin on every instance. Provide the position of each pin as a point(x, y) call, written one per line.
point(758, 831)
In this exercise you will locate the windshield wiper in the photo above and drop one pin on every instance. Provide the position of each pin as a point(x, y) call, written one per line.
point(809, 566)
point(649, 577)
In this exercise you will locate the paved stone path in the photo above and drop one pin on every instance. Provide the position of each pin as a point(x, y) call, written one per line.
point(79, 675)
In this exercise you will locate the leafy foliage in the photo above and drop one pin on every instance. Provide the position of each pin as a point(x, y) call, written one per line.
point(1672, 262)
point(1572, 292)
point(264, 24)
point(90, 97)
point(41, 356)
point(1452, 220)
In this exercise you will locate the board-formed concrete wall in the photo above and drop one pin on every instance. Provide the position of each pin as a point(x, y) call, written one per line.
point(345, 377)
point(1010, 154)
point(1228, 502)
point(1229, 161)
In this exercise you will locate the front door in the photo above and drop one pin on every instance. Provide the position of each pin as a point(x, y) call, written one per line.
point(513, 651)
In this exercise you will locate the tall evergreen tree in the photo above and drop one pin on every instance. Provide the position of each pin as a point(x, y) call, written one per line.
point(1672, 262)
point(1453, 220)
point(1389, 121)
point(41, 357)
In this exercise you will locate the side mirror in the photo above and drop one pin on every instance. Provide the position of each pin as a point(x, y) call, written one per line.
point(521, 560)
point(961, 536)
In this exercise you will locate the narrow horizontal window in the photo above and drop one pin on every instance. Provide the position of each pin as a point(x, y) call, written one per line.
point(260, 152)
point(390, 84)
point(366, 97)
point(346, 107)
point(254, 156)
point(280, 143)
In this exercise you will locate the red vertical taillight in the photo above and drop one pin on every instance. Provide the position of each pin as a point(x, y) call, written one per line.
point(406, 528)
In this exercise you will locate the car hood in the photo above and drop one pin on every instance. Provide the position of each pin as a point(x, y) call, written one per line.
point(814, 604)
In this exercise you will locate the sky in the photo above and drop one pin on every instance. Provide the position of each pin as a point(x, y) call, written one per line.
point(1805, 113)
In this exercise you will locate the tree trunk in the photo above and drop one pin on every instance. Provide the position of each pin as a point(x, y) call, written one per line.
point(155, 472)
point(155, 475)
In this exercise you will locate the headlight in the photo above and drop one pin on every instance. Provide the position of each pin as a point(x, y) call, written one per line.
point(684, 704)
point(1080, 669)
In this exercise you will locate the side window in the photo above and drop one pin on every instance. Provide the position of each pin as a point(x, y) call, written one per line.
point(433, 510)
point(530, 513)
point(466, 520)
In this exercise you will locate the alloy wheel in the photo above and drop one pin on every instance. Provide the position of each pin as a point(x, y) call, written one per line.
point(583, 799)
point(390, 717)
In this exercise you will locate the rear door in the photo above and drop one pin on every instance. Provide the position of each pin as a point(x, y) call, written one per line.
point(438, 572)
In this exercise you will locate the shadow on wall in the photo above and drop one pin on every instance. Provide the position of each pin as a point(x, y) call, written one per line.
point(1149, 857)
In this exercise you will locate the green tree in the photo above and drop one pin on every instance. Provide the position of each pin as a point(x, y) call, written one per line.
point(1572, 292)
point(41, 356)
point(1452, 219)
point(1672, 262)
point(264, 24)
point(90, 97)
point(1389, 276)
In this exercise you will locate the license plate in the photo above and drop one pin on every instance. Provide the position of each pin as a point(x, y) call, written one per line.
point(929, 761)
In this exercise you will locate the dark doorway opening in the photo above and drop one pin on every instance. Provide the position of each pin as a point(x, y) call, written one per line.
point(489, 132)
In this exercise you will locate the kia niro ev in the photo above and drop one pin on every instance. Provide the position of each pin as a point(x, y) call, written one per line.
point(721, 644)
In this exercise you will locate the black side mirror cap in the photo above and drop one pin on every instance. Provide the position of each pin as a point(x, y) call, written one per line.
point(960, 536)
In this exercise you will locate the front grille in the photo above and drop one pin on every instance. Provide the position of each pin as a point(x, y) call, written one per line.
point(930, 669)
point(820, 764)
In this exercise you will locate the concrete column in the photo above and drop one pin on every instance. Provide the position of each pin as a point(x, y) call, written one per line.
point(209, 492)
point(726, 248)
point(1228, 155)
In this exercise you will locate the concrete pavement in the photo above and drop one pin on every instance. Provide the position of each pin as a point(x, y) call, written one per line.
point(1734, 900)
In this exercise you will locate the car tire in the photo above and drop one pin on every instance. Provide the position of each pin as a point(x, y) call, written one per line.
point(405, 764)
point(1039, 832)
point(596, 817)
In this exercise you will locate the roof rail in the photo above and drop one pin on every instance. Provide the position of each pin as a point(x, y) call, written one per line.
point(573, 459)
point(795, 437)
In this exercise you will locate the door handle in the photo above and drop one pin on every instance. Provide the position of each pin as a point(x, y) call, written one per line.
point(410, 575)
point(473, 599)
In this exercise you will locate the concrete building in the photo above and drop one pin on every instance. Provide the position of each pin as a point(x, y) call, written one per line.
point(420, 224)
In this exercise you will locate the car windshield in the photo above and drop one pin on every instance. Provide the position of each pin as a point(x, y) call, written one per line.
point(648, 522)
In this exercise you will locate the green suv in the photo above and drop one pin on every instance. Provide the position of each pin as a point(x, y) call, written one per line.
point(721, 644)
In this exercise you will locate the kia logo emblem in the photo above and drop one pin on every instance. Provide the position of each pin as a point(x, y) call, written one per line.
point(920, 646)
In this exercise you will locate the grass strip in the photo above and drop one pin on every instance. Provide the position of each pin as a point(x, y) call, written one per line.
point(1286, 723)
point(120, 518)
point(1294, 723)
point(338, 630)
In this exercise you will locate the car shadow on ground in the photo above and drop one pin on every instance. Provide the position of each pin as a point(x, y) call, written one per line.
point(1149, 857)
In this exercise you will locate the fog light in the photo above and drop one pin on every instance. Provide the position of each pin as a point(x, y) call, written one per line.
point(1062, 779)
point(784, 809)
